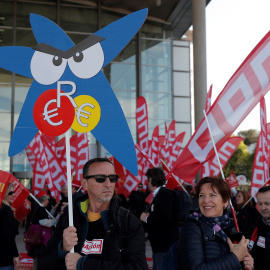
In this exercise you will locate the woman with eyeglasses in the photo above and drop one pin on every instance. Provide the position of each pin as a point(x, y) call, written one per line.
point(9, 256)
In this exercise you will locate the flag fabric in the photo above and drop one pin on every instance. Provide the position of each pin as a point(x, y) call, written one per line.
point(169, 140)
point(23, 210)
point(224, 153)
point(260, 170)
point(175, 149)
point(154, 147)
point(232, 180)
point(80, 153)
point(208, 99)
point(142, 123)
point(240, 95)
point(4, 180)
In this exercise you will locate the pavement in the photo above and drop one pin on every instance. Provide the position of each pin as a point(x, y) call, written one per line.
point(21, 249)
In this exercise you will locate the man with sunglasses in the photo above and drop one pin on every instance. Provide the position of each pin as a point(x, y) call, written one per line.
point(104, 235)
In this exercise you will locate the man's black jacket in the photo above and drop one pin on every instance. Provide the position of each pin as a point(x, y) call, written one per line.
point(121, 250)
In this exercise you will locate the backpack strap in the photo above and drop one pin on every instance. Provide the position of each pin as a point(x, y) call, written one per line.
point(122, 221)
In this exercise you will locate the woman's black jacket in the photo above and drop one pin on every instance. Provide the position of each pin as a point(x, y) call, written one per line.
point(200, 248)
point(8, 232)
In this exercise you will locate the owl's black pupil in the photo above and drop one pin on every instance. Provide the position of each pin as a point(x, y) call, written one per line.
point(78, 57)
point(57, 60)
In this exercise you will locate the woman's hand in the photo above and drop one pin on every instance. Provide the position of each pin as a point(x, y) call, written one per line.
point(248, 262)
point(240, 249)
point(70, 238)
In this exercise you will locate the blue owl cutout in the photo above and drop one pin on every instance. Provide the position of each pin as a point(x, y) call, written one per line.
point(56, 58)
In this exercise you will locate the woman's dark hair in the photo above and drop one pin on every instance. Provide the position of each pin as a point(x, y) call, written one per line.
point(91, 161)
point(217, 184)
point(246, 197)
point(157, 175)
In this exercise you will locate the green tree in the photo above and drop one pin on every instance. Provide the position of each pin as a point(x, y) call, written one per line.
point(241, 162)
point(250, 136)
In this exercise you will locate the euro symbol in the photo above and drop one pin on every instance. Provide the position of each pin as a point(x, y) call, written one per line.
point(80, 111)
point(50, 114)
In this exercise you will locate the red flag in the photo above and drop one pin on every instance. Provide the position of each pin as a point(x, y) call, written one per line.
point(154, 147)
point(208, 99)
point(260, 171)
point(224, 153)
point(169, 140)
point(4, 180)
point(149, 198)
point(79, 152)
point(243, 91)
point(175, 149)
point(58, 175)
point(21, 193)
point(232, 180)
point(23, 210)
point(142, 123)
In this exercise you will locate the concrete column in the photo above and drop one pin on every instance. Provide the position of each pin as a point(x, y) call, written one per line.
point(199, 53)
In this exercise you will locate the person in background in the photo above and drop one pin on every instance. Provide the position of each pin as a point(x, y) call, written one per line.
point(9, 256)
point(41, 217)
point(161, 220)
point(194, 198)
point(63, 199)
point(204, 241)
point(76, 189)
point(136, 203)
point(247, 215)
point(261, 247)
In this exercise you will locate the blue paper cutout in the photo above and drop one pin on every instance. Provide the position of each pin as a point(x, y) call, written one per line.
point(112, 130)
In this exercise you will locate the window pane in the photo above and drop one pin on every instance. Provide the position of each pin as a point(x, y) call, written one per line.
point(77, 19)
point(6, 13)
point(121, 76)
point(156, 79)
point(5, 120)
point(159, 105)
point(24, 10)
point(4, 158)
point(156, 52)
point(154, 31)
point(20, 162)
point(5, 97)
point(20, 95)
point(127, 100)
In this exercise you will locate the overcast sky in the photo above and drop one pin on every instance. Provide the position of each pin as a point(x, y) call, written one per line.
point(233, 29)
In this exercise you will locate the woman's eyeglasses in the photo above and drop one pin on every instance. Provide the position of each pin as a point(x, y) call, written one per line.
point(11, 192)
point(101, 178)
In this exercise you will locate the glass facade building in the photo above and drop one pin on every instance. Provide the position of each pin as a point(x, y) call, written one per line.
point(154, 65)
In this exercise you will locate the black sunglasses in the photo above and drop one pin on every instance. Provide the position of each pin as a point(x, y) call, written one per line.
point(101, 178)
point(11, 192)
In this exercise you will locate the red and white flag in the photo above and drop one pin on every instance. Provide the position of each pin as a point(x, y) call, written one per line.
point(208, 99)
point(79, 143)
point(175, 149)
point(4, 180)
point(142, 123)
point(232, 180)
point(243, 91)
point(154, 147)
point(260, 171)
point(211, 167)
point(169, 140)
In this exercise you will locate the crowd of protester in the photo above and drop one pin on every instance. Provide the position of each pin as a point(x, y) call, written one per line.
point(207, 240)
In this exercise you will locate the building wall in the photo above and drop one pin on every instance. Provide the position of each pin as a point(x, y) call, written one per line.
point(151, 65)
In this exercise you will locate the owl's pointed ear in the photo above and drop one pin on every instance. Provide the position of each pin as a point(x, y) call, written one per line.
point(16, 59)
point(48, 32)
